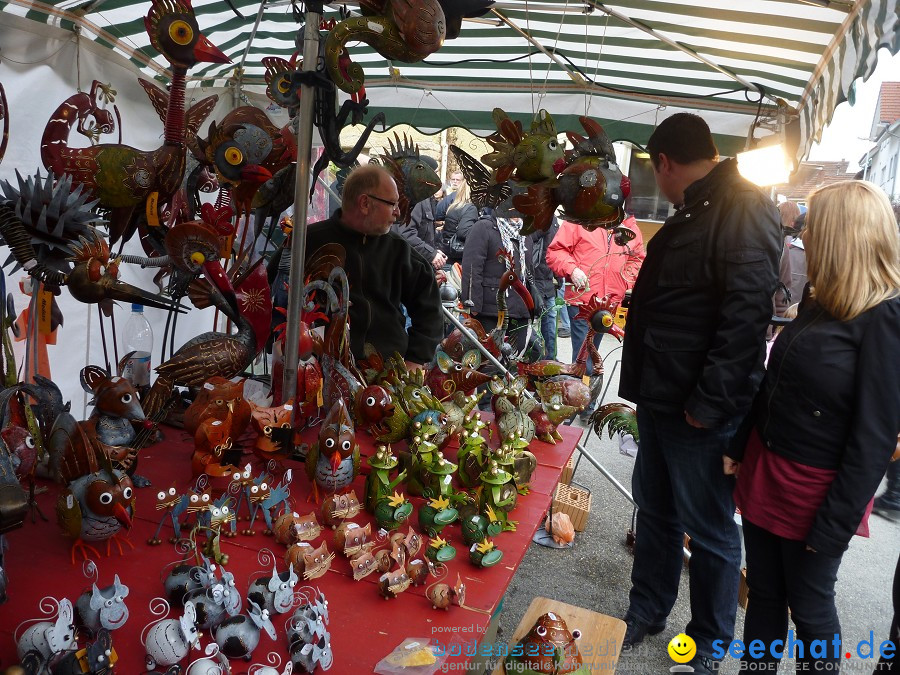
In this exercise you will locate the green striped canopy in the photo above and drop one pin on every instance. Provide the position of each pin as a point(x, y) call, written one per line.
point(626, 63)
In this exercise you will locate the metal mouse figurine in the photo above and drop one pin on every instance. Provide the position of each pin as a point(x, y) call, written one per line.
point(49, 637)
point(274, 593)
point(168, 641)
point(238, 636)
point(217, 601)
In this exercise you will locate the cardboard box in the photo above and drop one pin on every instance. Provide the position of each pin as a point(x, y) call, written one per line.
point(574, 501)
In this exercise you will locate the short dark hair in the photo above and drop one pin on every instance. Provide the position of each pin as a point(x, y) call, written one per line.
point(683, 138)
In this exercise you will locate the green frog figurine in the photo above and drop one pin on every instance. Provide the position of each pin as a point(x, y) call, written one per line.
point(422, 450)
point(473, 449)
point(513, 456)
point(391, 512)
point(435, 515)
point(378, 483)
point(498, 493)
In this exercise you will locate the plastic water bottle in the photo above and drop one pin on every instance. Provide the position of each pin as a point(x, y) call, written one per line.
point(138, 338)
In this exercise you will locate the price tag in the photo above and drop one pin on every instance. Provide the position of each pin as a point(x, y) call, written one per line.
point(152, 204)
point(45, 307)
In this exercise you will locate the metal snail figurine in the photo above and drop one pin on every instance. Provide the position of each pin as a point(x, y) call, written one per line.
point(549, 649)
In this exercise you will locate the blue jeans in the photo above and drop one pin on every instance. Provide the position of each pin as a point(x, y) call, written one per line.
point(548, 327)
point(782, 574)
point(679, 487)
point(563, 316)
point(579, 329)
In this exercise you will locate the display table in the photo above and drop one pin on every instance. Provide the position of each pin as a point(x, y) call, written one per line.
point(364, 627)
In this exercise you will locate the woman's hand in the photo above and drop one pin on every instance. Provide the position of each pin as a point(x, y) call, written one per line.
point(730, 466)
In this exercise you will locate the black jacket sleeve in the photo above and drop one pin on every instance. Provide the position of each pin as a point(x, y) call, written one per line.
point(423, 303)
point(467, 217)
point(747, 259)
point(873, 436)
point(474, 258)
point(410, 231)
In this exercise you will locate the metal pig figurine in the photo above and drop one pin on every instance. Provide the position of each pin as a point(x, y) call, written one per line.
point(103, 608)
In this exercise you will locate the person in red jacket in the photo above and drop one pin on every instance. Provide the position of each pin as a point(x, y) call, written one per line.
point(600, 263)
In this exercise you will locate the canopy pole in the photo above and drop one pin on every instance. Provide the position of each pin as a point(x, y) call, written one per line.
point(240, 68)
point(304, 121)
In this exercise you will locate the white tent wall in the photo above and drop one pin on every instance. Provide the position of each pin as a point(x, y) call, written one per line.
point(39, 70)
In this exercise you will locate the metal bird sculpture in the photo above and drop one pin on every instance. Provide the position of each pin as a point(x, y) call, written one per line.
point(123, 177)
point(333, 463)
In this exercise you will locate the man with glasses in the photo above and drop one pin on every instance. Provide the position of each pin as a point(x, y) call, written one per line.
point(383, 269)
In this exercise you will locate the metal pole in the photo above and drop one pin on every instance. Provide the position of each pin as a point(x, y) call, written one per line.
point(578, 446)
point(301, 200)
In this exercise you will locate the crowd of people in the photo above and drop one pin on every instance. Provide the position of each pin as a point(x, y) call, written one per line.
point(800, 444)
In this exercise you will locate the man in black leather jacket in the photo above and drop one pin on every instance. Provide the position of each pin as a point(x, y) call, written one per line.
point(692, 361)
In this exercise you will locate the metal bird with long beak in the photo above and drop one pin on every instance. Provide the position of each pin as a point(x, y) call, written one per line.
point(95, 279)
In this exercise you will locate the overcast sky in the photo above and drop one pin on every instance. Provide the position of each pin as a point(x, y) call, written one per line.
point(845, 137)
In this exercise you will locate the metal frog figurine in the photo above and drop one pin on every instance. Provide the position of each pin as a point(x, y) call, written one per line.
point(498, 495)
point(378, 483)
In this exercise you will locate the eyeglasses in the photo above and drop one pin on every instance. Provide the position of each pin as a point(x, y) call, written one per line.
point(393, 205)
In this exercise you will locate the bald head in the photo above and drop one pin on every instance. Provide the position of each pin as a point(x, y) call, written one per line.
point(370, 200)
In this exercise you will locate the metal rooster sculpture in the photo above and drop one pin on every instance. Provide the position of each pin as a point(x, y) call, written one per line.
point(122, 177)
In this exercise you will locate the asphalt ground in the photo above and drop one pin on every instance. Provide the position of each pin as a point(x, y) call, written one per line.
point(595, 572)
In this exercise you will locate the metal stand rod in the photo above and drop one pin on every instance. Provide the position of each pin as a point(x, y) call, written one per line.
point(301, 200)
point(578, 446)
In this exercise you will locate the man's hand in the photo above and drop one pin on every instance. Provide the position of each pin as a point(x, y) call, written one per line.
point(412, 365)
point(692, 421)
point(579, 279)
point(731, 467)
point(440, 276)
point(439, 259)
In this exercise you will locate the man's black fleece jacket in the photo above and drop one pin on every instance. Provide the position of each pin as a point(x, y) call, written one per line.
point(385, 271)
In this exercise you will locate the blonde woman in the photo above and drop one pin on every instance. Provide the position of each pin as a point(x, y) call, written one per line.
point(825, 424)
point(461, 216)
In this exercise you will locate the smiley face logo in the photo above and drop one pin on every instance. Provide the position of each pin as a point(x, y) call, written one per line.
point(682, 648)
